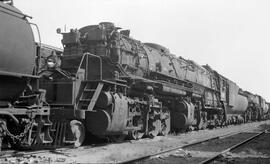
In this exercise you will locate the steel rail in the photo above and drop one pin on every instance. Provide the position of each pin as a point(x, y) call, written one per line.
point(178, 147)
point(11, 153)
point(14, 153)
point(232, 148)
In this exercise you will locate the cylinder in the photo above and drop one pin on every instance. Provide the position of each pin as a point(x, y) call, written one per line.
point(98, 122)
point(104, 100)
point(240, 105)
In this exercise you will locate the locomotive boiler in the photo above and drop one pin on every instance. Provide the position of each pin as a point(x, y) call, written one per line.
point(24, 118)
point(112, 85)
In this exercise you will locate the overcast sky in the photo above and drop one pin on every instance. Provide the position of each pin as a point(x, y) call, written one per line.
point(232, 36)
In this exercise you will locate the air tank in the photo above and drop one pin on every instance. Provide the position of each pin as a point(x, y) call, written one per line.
point(239, 106)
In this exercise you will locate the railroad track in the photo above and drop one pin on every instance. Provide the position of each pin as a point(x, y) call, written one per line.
point(218, 155)
point(212, 158)
point(62, 150)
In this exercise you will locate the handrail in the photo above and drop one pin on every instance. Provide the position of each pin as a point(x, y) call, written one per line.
point(91, 55)
point(39, 45)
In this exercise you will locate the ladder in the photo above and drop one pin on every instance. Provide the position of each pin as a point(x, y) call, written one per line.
point(89, 96)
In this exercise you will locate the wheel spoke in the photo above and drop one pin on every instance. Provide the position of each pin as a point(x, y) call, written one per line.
point(165, 123)
point(78, 132)
point(154, 128)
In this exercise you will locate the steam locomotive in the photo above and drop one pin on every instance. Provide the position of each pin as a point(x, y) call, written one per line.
point(108, 84)
point(24, 115)
point(111, 85)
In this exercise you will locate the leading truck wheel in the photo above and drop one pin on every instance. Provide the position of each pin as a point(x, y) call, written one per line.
point(78, 131)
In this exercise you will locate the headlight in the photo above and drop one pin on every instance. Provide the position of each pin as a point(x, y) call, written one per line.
point(50, 64)
point(53, 61)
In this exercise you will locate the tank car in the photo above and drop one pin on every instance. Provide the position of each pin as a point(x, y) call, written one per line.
point(24, 118)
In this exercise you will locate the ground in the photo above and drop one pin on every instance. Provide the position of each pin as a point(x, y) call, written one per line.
point(118, 152)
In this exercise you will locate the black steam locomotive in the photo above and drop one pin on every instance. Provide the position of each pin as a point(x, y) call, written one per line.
point(24, 115)
point(107, 84)
point(112, 85)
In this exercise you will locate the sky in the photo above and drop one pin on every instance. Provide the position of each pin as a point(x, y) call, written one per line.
point(232, 36)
